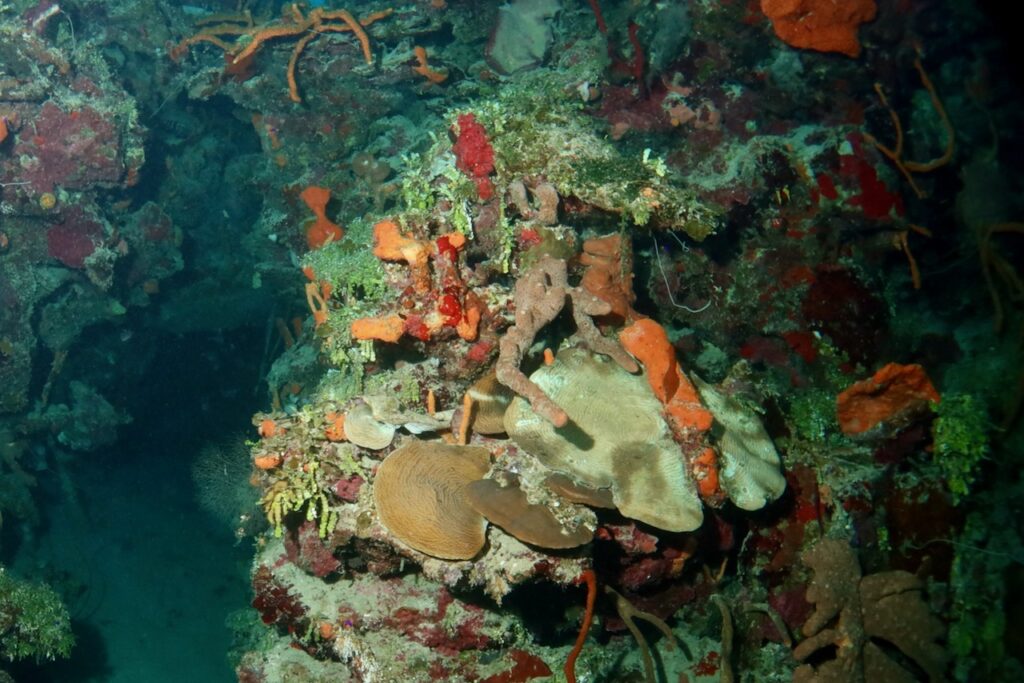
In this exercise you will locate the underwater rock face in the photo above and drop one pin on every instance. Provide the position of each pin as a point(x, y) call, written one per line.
point(615, 438)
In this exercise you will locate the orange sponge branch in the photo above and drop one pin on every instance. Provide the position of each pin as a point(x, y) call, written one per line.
point(590, 578)
point(647, 341)
point(249, 38)
point(423, 67)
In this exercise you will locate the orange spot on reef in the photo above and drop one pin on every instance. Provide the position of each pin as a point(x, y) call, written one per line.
point(269, 428)
point(386, 329)
point(891, 393)
point(335, 430)
point(822, 25)
point(267, 462)
point(322, 230)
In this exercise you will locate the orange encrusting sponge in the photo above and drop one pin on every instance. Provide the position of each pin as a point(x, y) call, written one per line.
point(891, 393)
point(822, 25)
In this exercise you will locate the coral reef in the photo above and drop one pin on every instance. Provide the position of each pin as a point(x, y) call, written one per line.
point(540, 376)
point(608, 341)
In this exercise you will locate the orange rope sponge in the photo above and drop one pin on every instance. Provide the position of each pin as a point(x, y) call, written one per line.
point(423, 68)
point(590, 578)
point(822, 25)
point(364, 40)
point(895, 153)
point(247, 38)
point(648, 342)
point(317, 304)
